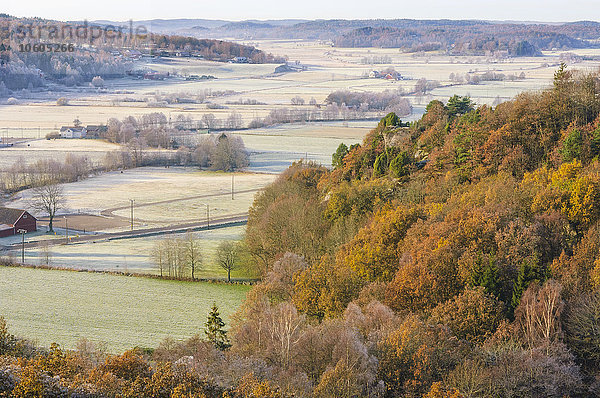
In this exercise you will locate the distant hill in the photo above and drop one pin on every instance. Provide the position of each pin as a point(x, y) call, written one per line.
point(514, 38)
point(456, 37)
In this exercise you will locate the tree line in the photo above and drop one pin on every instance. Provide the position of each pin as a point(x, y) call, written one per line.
point(182, 258)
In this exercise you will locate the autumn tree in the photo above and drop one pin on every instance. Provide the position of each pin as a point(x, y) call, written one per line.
point(539, 313)
point(472, 315)
point(582, 328)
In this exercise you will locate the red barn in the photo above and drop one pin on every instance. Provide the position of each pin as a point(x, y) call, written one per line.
point(12, 220)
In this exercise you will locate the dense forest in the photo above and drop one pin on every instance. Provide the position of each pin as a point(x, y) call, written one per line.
point(456, 256)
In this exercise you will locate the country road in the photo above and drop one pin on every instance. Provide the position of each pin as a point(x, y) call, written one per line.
point(217, 222)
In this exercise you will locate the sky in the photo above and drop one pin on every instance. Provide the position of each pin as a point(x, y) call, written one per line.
point(236, 10)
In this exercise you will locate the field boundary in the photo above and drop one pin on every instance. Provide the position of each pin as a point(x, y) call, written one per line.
point(214, 280)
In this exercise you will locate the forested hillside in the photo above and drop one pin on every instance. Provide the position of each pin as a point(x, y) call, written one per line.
point(473, 37)
point(458, 256)
point(459, 37)
point(88, 50)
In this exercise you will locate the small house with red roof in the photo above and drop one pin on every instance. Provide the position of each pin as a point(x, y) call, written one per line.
point(13, 220)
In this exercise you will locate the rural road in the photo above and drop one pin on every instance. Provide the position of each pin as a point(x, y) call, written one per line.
point(217, 222)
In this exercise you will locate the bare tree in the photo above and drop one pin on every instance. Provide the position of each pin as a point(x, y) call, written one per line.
point(45, 253)
point(192, 253)
point(48, 199)
point(228, 257)
point(159, 256)
point(539, 312)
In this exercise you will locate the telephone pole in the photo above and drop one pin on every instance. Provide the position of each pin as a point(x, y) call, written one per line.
point(132, 200)
point(22, 232)
point(67, 229)
point(207, 217)
point(232, 175)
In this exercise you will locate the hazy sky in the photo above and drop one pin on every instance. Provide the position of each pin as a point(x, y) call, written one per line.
point(121, 10)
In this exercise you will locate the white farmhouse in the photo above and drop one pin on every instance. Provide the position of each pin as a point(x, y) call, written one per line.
point(72, 132)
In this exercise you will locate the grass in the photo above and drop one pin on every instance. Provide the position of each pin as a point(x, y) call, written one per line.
point(63, 307)
point(153, 184)
point(133, 255)
point(43, 149)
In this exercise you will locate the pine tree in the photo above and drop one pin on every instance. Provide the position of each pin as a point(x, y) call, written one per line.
point(485, 273)
point(337, 159)
point(381, 165)
point(214, 329)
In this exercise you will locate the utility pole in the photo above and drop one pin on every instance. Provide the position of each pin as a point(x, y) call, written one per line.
point(67, 229)
point(232, 175)
point(132, 200)
point(22, 232)
point(207, 217)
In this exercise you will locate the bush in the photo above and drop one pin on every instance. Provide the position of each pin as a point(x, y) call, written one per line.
point(52, 136)
point(97, 81)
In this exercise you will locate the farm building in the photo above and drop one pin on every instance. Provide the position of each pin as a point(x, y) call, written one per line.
point(12, 220)
point(72, 132)
point(95, 131)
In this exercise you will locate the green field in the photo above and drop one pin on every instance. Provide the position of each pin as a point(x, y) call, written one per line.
point(64, 307)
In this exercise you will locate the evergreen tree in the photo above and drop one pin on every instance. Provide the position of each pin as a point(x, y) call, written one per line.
point(485, 274)
point(527, 273)
point(337, 159)
point(381, 165)
point(572, 146)
point(398, 166)
point(390, 120)
point(214, 329)
point(459, 105)
point(595, 143)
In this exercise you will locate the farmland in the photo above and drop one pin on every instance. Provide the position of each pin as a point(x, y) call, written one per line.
point(162, 197)
point(143, 311)
point(328, 69)
point(62, 306)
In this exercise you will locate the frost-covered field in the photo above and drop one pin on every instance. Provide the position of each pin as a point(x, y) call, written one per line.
point(184, 188)
point(329, 69)
point(134, 255)
point(123, 312)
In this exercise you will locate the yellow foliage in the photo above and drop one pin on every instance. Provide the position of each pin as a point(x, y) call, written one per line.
point(373, 254)
point(438, 391)
point(250, 386)
point(566, 173)
point(595, 274)
point(583, 202)
point(433, 209)
point(30, 385)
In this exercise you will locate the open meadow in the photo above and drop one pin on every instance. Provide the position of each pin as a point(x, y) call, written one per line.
point(122, 312)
